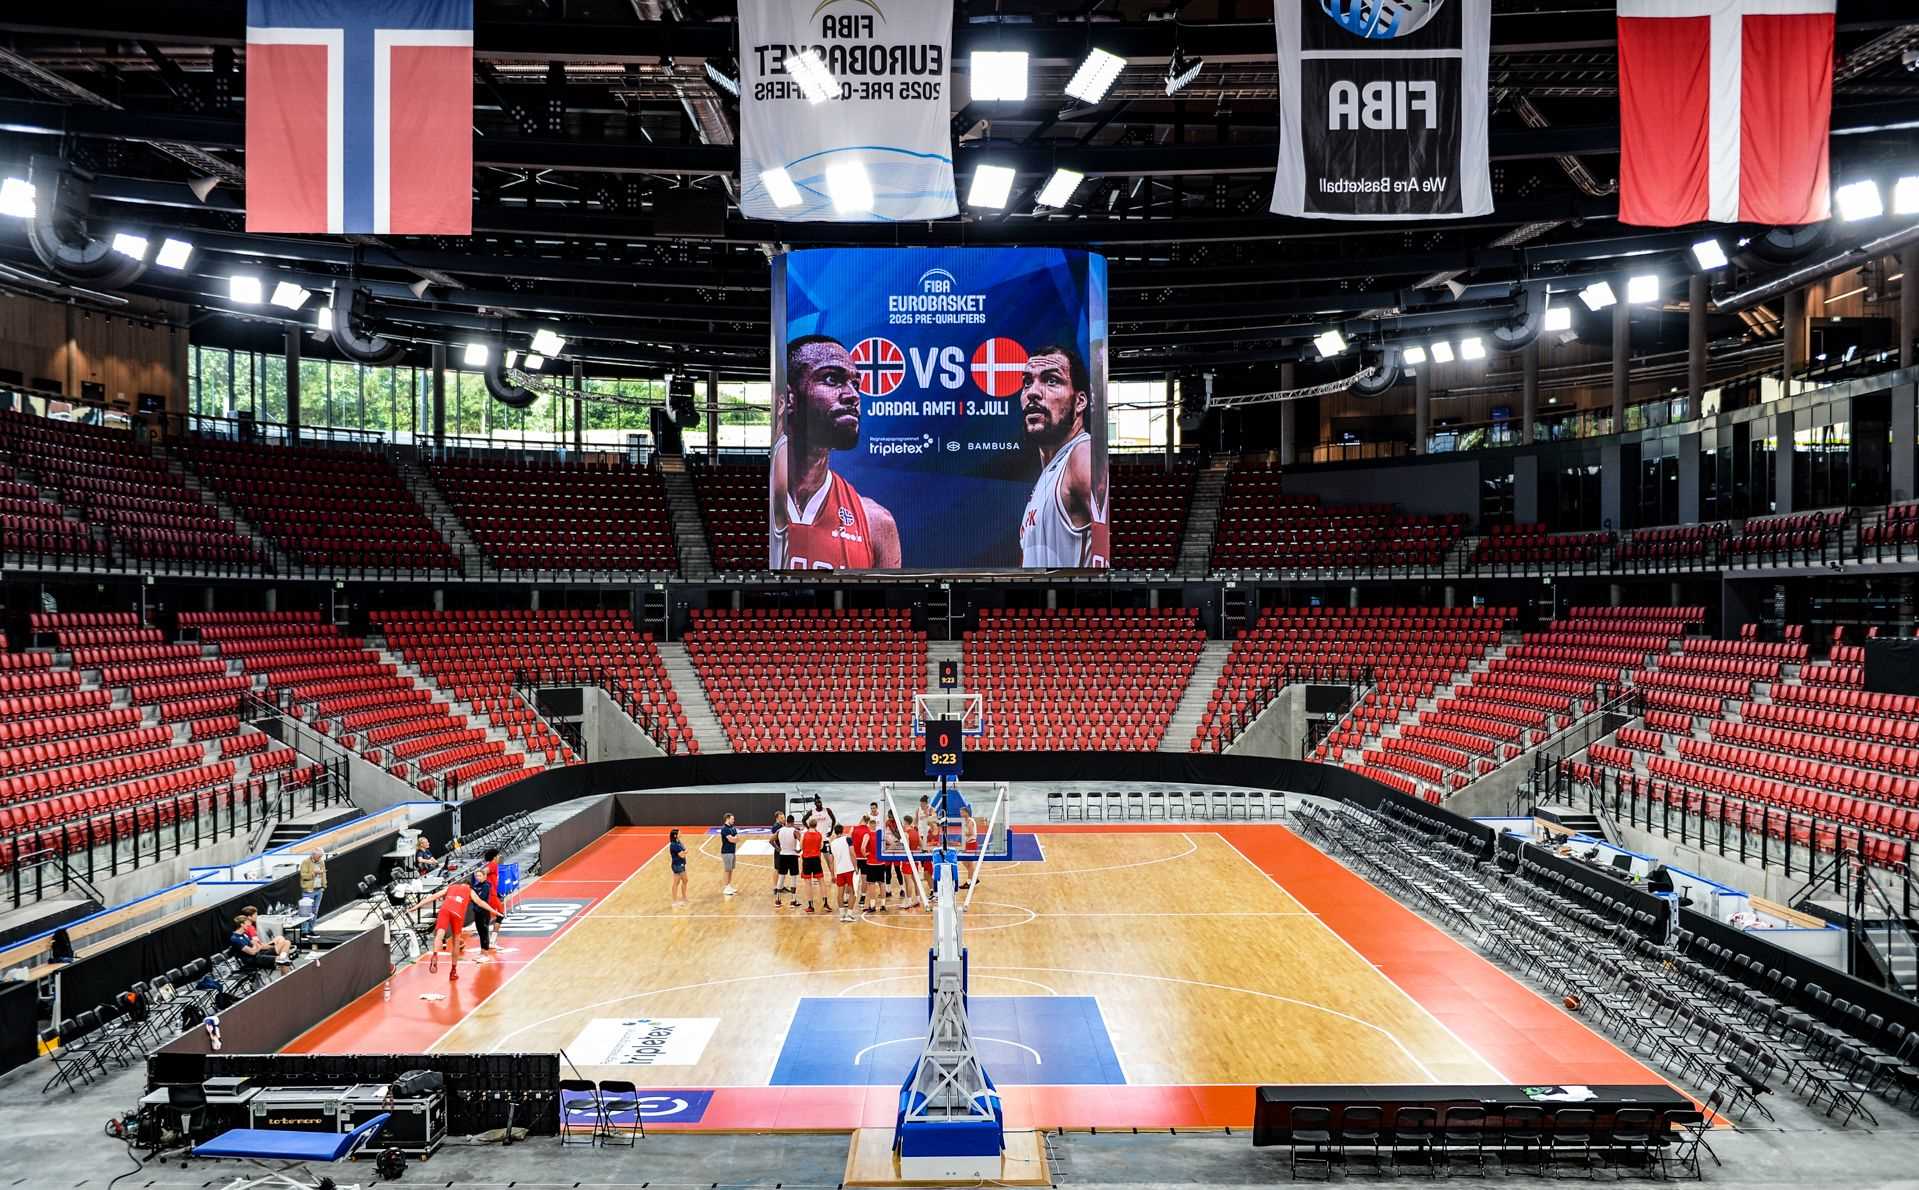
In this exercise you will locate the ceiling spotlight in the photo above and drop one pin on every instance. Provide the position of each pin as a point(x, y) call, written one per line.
point(546, 342)
point(512, 358)
point(809, 71)
point(128, 244)
point(203, 186)
point(1597, 296)
point(533, 362)
point(1473, 347)
point(852, 191)
point(244, 289)
point(323, 318)
point(1709, 254)
point(474, 355)
point(173, 253)
point(720, 79)
point(1329, 343)
point(1059, 188)
point(1905, 195)
point(992, 186)
point(1181, 70)
point(1859, 200)
point(1558, 318)
point(780, 188)
point(1642, 289)
point(1442, 352)
point(1456, 289)
point(1414, 354)
point(16, 198)
point(1095, 76)
point(998, 76)
point(289, 296)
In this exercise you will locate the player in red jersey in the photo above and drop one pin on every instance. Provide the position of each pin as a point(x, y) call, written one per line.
point(819, 522)
point(810, 867)
point(450, 926)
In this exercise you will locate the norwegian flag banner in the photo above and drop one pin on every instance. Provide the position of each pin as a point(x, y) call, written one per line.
point(1725, 111)
point(360, 116)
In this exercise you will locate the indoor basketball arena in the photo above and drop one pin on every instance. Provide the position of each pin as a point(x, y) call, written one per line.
point(678, 594)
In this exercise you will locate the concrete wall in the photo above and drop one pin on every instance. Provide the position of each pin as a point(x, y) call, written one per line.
point(1278, 729)
point(610, 733)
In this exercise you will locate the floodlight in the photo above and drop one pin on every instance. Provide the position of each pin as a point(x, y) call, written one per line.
point(244, 289)
point(1709, 254)
point(173, 253)
point(545, 342)
point(780, 188)
point(1442, 352)
point(128, 244)
point(999, 75)
point(1095, 76)
point(1597, 296)
point(992, 186)
point(850, 188)
point(474, 356)
point(289, 296)
point(1329, 343)
point(1059, 188)
point(1859, 200)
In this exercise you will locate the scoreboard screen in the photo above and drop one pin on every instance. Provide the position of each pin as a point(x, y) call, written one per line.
point(944, 748)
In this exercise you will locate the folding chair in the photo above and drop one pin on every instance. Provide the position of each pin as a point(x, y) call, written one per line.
point(1135, 805)
point(1155, 803)
point(1310, 1126)
point(1115, 805)
point(580, 1103)
point(1176, 804)
point(618, 1097)
point(1075, 806)
point(1055, 806)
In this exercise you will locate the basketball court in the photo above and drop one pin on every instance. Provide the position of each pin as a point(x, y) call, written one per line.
point(1131, 976)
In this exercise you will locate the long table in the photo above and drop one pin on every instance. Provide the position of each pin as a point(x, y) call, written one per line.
point(1273, 1107)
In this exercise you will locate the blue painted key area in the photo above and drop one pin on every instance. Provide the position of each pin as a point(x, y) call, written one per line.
point(1023, 1040)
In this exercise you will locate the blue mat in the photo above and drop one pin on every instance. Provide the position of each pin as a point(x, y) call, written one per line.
point(874, 1040)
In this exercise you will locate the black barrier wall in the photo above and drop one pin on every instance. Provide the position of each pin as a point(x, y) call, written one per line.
point(296, 1001)
point(563, 840)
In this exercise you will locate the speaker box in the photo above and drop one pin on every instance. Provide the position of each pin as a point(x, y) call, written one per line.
point(1892, 666)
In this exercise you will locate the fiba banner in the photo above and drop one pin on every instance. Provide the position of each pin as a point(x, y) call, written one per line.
point(1383, 109)
point(879, 147)
point(939, 409)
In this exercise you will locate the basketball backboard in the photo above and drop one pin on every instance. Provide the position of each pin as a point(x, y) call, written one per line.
point(968, 710)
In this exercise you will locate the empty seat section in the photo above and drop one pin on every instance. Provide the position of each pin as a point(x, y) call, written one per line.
point(1148, 512)
point(1533, 545)
point(1262, 527)
point(1057, 679)
point(733, 503)
point(562, 516)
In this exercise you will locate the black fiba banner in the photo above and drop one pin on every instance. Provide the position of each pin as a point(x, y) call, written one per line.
point(1383, 109)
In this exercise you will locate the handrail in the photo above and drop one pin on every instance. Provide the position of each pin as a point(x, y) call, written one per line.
point(527, 681)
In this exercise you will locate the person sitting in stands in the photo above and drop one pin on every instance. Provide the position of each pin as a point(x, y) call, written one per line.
point(249, 951)
point(422, 855)
point(280, 946)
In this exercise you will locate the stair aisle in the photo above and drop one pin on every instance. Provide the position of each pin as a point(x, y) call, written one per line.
point(699, 712)
point(1196, 542)
point(689, 528)
point(472, 559)
point(1192, 704)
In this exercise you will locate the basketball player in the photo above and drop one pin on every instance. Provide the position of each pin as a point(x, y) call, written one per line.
point(819, 521)
point(872, 872)
point(786, 859)
point(1065, 520)
point(811, 842)
point(840, 851)
point(450, 926)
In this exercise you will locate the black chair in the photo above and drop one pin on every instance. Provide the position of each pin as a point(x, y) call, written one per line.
point(1572, 1141)
point(580, 1104)
point(1631, 1140)
point(1687, 1130)
point(1462, 1132)
point(1310, 1126)
point(187, 1104)
point(1359, 1126)
point(71, 1060)
point(1523, 1135)
point(1413, 1132)
point(618, 1096)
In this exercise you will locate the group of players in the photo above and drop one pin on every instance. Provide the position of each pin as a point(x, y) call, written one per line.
point(820, 522)
point(842, 867)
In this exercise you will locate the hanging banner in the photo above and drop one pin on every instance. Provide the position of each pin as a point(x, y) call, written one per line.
point(884, 127)
point(1383, 109)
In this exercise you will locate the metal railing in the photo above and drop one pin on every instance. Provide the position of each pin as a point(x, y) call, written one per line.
point(528, 681)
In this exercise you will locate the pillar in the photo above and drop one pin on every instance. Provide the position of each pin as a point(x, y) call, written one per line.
point(1422, 408)
point(713, 415)
point(1052, 599)
point(439, 599)
point(1621, 354)
point(839, 599)
point(1152, 597)
point(293, 381)
point(1528, 391)
point(579, 406)
point(533, 599)
point(1452, 595)
point(1696, 302)
point(1288, 417)
point(439, 394)
point(1909, 305)
point(1615, 594)
point(1352, 596)
point(1793, 332)
point(273, 599)
point(1903, 396)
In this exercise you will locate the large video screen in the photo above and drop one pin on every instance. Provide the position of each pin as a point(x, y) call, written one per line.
point(939, 409)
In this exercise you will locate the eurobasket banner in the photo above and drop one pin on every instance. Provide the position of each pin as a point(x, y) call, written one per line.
point(1383, 108)
point(889, 122)
point(939, 409)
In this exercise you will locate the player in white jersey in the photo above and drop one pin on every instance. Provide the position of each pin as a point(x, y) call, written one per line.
point(1065, 519)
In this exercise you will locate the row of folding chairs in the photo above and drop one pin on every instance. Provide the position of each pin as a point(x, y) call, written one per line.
point(90, 1045)
point(1562, 1141)
point(1174, 805)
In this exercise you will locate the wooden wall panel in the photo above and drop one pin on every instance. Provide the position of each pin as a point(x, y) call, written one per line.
point(141, 348)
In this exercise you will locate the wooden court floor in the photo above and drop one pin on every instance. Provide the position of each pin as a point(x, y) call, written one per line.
point(1212, 958)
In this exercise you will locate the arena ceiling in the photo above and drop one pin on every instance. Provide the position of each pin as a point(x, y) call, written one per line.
point(605, 159)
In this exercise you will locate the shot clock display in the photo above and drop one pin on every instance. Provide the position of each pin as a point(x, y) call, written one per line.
point(944, 749)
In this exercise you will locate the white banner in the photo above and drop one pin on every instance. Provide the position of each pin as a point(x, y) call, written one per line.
point(887, 117)
point(643, 1041)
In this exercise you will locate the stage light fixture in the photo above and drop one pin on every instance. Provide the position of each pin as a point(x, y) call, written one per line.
point(992, 186)
point(1558, 318)
point(1472, 347)
point(1414, 355)
point(780, 188)
point(722, 80)
point(244, 289)
point(545, 342)
point(16, 198)
point(1059, 188)
point(474, 356)
point(998, 76)
point(128, 244)
point(173, 254)
point(289, 296)
point(1181, 70)
point(533, 362)
point(1905, 195)
point(1095, 76)
point(323, 319)
point(1329, 343)
point(1597, 296)
point(851, 189)
point(1642, 289)
point(1709, 254)
point(1442, 352)
point(1859, 200)
point(814, 80)
point(512, 358)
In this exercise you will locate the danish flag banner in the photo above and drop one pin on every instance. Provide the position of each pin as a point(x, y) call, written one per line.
point(360, 116)
point(1725, 111)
